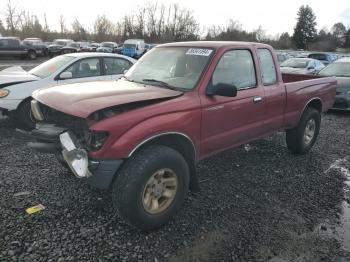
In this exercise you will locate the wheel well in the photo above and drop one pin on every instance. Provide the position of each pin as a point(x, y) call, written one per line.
point(184, 146)
point(315, 103)
point(24, 101)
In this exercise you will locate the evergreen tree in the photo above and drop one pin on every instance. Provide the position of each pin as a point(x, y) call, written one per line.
point(305, 29)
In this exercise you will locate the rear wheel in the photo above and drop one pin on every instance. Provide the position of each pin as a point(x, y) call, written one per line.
point(301, 138)
point(151, 187)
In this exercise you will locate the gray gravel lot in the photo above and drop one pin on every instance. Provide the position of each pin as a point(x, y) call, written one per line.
point(257, 203)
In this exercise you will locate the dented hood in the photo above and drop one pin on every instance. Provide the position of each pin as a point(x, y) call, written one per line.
point(83, 99)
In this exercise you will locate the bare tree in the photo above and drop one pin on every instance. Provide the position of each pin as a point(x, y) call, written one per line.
point(62, 25)
point(78, 30)
point(2, 28)
point(140, 22)
point(13, 17)
point(103, 28)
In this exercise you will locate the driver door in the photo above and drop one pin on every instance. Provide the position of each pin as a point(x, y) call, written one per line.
point(229, 121)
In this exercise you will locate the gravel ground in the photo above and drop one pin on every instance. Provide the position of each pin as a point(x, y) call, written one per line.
point(257, 203)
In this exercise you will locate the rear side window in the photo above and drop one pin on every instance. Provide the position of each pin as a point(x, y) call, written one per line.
point(267, 67)
point(13, 42)
point(4, 42)
point(236, 68)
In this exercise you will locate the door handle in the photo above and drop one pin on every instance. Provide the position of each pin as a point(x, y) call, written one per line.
point(257, 99)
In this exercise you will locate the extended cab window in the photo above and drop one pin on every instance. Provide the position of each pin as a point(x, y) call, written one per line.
point(267, 67)
point(235, 67)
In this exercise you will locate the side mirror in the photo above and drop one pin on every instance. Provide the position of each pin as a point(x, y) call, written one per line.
point(310, 68)
point(66, 75)
point(222, 89)
point(125, 71)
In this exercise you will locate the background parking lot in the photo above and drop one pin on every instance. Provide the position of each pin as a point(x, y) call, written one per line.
point(257, 203)
point(26, 64)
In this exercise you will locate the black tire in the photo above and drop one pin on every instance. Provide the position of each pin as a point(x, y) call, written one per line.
point(128, 187)
point(51, 55)
point(24, 116)
point(295, 137)
point(31, 55)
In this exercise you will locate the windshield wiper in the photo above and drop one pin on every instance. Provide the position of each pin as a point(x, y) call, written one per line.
point(162, 83)
point(36, 75)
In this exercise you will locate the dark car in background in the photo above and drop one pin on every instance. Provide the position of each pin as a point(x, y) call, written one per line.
point(324, 58)
point(13, 47)
point(38, 44)
point(341, 70)
point(76, 47)
point(55, 48)
point(107, 47)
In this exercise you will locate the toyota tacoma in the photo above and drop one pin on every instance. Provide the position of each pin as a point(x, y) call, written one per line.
point(141, 136)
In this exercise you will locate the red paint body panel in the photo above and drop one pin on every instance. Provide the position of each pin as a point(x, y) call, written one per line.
point(213, 123)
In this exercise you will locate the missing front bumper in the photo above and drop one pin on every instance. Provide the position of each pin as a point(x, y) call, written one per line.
point(98, 173)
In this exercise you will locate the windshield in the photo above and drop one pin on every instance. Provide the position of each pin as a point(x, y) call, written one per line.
point(176, 67)
point(295, 63)
point(31, 42)
point(336, 69)
point(107, 45)
point(60, 43)
point(51, 66)
point(129, 45)
point(318, 56)
point(76, 45)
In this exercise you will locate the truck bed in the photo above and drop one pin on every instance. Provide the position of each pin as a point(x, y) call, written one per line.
point(301, 89)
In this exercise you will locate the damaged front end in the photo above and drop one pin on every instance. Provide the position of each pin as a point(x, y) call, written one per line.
point(70, 140)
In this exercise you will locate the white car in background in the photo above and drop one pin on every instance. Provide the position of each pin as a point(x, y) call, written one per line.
point(304, 66)
point(17, 85)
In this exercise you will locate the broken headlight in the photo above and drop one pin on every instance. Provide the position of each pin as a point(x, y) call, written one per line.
point(96, 139)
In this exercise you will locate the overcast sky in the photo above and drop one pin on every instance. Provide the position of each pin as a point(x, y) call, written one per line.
point(275, 16)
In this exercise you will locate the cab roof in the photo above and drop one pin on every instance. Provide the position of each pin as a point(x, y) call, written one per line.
point(214, 44)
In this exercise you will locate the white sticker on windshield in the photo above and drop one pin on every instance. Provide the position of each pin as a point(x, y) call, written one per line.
point(198, 51)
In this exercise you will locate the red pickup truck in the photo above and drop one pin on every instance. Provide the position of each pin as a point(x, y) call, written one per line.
point(142, 135)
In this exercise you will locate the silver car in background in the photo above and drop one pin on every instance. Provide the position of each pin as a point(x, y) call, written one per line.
point(305, 66)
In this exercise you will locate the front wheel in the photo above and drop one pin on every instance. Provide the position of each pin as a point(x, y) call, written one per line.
point(301, 138)
point(151, 187)
point(31, 54)
point(24, 116)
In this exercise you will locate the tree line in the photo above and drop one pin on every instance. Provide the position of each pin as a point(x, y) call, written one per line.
point(159, 23)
